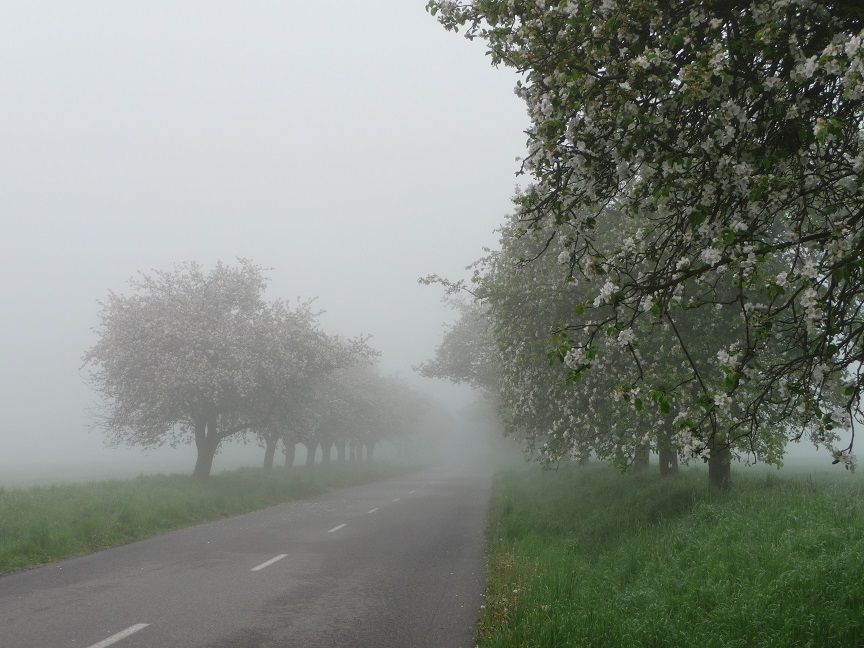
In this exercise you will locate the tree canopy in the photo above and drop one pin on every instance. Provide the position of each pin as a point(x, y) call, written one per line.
point(198, 355)
point(724, 141)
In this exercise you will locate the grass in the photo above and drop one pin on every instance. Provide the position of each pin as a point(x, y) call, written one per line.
point(46, 523)
point(589, 557)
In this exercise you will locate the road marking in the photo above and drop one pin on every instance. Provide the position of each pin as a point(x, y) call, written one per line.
point(269, 562)
point(373, 510)
point(120, 635)
point(336, 528)
point(411, 492)
point(397, 499)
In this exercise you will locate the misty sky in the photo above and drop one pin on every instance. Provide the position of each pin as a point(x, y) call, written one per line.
point(352, 147)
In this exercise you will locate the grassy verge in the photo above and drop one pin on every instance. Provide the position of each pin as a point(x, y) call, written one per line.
point(42, 524)
point(589, 557)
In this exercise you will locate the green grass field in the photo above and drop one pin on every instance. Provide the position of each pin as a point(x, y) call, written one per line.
point(590, 557)
point(41, 524)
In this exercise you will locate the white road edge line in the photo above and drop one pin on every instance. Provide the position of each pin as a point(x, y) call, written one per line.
point(120, 635)
point(373, 510)
point(336, 528)
point(396, 499)
point(269, 562)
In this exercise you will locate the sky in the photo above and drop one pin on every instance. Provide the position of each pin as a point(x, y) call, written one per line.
point(350, 147)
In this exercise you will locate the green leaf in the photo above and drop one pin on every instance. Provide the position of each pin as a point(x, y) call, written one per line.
point(696, 218)
point(731, 381)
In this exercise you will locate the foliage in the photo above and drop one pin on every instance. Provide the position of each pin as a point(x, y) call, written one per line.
point(195, 355)
point(357, 403)
point(724, 141)
point(291, 403)
point(467, 353)
point(183, 351)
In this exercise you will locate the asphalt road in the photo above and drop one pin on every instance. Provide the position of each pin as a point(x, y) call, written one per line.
point(395, 563)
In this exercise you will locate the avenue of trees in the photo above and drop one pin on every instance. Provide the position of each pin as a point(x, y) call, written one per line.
point(688, 249)
point(197, 356)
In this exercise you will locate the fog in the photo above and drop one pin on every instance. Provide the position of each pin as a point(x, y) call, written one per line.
point(349, 147)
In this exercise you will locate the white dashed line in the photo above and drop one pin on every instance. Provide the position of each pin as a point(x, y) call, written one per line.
point(336, 528)
point(411, 492)
point(120, 635)
point(397, 499)
point(373, 510)
point(269, 562)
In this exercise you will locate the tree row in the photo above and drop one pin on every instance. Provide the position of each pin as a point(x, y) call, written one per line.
point(201, 356)
point(689, 239)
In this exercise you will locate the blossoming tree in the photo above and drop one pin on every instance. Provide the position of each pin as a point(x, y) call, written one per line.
point(354, 408)
point(194, 355)
point(298, 359)
point(729, 136)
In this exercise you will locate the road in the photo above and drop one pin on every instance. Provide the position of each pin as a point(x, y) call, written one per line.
point(395, 563)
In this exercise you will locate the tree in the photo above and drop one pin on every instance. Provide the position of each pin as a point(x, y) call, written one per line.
point(511, 327)
point(356, 407)
point(184, 356)
point(729, 135)
point(597, 404)
point(325, 404)
point(298, 357)
point(467, 354)
point(294, 355)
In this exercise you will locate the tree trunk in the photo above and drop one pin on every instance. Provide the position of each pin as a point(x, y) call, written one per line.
point(269, 451)
point(719, 464)
point(353, 451)
point(340, 451)
point(326, 451)
point(620, 456)
point(641, 458)
point(204, 463)
point(668, 454)
point(311, 451)
point(206, 442)
point(370, 451)
point(289, 448)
